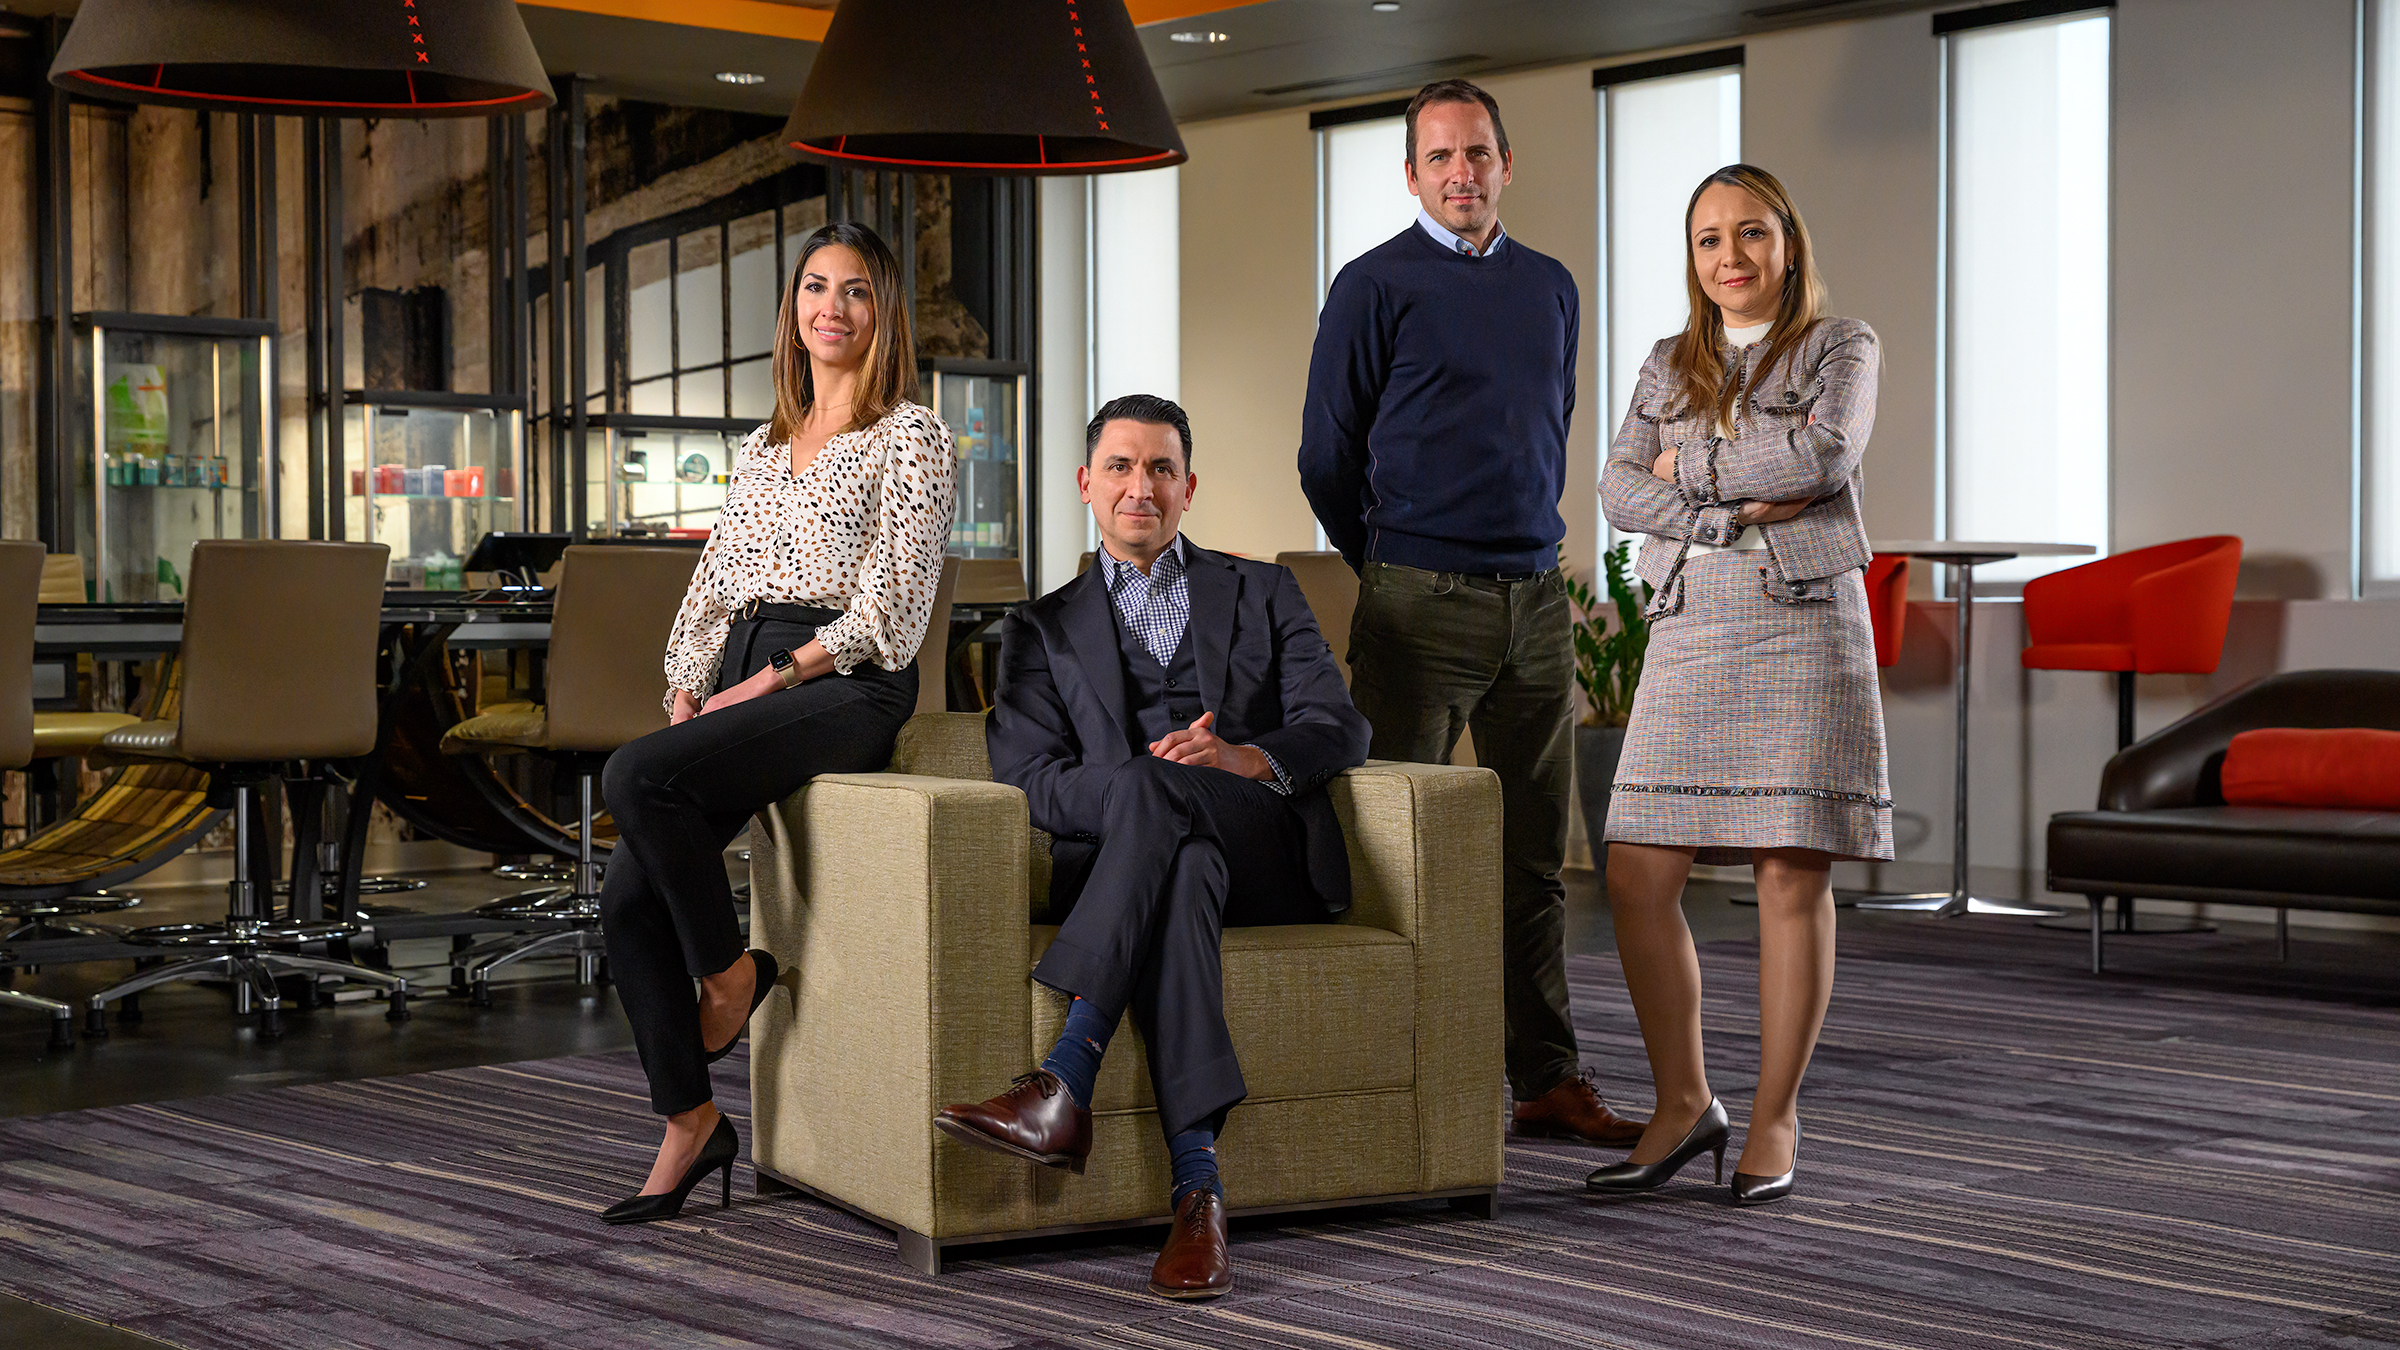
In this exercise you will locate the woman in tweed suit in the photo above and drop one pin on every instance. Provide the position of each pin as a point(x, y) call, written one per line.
point(1757, 732)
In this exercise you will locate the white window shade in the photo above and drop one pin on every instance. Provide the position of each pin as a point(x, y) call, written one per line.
point(1660, 138)
point(1137, 270)
point(1362, 174)
point(2379, 508)
point(2027, 422)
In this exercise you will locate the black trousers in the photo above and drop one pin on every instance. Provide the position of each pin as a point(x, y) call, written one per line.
point(1184, 853)
point(680, 796)
point(1435, 652)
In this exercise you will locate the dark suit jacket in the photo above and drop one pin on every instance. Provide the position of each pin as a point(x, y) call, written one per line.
point(1058, 728)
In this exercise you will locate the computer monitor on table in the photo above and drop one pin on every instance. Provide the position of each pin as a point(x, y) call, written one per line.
point(518, 556)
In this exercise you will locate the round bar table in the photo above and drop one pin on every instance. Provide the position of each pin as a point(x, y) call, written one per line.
point(1963, 556)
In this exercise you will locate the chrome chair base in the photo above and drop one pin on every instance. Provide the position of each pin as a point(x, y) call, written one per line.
point(472, 969)
point(532, 871)
point(250, 968)
point(51, 920)
point(62, 1017)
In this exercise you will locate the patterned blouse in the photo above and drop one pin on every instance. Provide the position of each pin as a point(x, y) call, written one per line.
point(862, 529)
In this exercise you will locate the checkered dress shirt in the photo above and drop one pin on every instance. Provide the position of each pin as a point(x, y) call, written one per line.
point(1158, 608)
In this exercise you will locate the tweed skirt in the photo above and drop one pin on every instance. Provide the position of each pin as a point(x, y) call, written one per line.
point(1757, 724)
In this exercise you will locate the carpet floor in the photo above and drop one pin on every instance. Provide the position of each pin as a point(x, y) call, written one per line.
point(2200, 1150)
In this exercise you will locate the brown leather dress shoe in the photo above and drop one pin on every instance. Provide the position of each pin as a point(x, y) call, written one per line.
point(1574, 1110)
point(1036, 1119)
point(1195, 1263)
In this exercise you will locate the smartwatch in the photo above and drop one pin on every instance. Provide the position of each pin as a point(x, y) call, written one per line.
point(787, 671)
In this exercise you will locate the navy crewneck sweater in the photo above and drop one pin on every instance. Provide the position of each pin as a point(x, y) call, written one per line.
point(1435, 434)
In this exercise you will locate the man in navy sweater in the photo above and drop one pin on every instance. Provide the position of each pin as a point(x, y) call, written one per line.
point(1433, 450)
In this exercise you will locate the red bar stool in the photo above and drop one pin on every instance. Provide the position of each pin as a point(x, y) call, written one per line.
point(2159, 610)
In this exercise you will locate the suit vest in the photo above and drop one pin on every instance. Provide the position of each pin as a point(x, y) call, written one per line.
point(1158, 699)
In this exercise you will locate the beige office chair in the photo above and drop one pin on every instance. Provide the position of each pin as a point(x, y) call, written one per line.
point(58, 736)
point(607, 685)
point(933, 655)
point(989, 581)
point(279, 644)
point(20, 594)
point(1331, 589)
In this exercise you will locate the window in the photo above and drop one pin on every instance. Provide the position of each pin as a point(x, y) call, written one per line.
point(2379, 469)
point(1362, 184)
point(1362, 189)
point(1137, 286)
point(683, 307)
point(1664, 126)
point(2025, 425)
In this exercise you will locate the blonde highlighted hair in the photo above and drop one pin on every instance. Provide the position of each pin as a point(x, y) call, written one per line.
point(1698, 359)
point(889, 377)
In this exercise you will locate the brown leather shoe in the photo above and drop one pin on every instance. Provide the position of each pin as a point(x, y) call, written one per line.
point(1195, 1263)
point(1036, 1119)
point(1574, 1110)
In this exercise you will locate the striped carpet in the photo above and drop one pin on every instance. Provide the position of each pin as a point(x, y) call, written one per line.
point(2202, 1149)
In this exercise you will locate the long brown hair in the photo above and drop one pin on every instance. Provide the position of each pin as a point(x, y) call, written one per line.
point(890, 375)
point(1698, 357)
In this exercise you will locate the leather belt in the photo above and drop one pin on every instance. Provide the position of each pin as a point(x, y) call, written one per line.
point(814, 616)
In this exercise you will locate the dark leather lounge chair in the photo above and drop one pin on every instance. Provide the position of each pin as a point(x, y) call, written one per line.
point(2163, 829)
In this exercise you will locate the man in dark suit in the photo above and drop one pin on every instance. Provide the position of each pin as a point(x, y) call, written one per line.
point(1173, 716)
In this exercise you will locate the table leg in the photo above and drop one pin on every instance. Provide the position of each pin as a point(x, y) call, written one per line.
point(1958, 899)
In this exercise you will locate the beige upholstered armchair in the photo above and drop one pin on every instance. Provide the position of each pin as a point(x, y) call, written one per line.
point(906, 906)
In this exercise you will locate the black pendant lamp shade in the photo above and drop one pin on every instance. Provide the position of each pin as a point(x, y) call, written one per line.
point(982, 86)
point(336, 58)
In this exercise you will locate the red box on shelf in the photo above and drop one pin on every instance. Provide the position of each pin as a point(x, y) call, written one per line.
point(467, 482)
point(390, 478)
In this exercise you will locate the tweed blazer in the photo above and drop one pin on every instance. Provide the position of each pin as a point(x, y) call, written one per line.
point(1800, 431)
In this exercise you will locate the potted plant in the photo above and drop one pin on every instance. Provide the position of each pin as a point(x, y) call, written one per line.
point(1608, 664)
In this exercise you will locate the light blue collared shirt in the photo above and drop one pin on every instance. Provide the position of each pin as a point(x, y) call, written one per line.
point(1434, 231)
point(1157, 609)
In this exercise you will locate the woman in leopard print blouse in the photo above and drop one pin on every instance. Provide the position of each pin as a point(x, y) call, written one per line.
point(794, 655)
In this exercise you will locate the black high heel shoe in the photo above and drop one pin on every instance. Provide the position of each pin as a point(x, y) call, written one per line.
point(1750, 1190)
point(1707, 1135)
point(717, 1154)
point(767, 971)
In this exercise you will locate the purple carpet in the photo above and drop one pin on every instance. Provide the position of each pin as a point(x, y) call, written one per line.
point(2201, 1149)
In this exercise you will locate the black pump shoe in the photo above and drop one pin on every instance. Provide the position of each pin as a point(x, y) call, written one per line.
point(717, 1154)
point(1707, 1135)
point(1750, 1190)
point(767, 971)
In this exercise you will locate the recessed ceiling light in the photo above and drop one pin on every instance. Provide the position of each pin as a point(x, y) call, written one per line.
point(741, 77)
point(1385, 6)
point(1198, 35)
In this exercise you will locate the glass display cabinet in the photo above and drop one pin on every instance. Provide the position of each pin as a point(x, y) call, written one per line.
point(984, 404)
point(177, 446)
point(429, 475)
point(648, 476)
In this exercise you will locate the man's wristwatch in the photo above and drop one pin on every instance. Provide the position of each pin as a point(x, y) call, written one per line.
point(787, 670)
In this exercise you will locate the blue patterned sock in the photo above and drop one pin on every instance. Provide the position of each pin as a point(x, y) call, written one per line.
point(1076, 1057)
point(1194, 1154)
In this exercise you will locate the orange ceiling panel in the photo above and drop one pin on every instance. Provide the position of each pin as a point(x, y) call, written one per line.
point(769, 19)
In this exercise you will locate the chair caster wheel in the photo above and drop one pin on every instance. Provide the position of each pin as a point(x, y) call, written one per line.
point(270, 1024)
point(62, 1031)
point(95, 1024)
point(129, 1010)
point(482, 996)
point(399, 1009)
point(458, 979)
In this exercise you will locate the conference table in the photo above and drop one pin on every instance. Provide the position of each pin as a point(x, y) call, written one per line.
point(1963, 556)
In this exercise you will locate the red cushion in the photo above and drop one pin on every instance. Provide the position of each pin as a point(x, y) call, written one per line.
point(2077, 656)
point(2341, 768)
